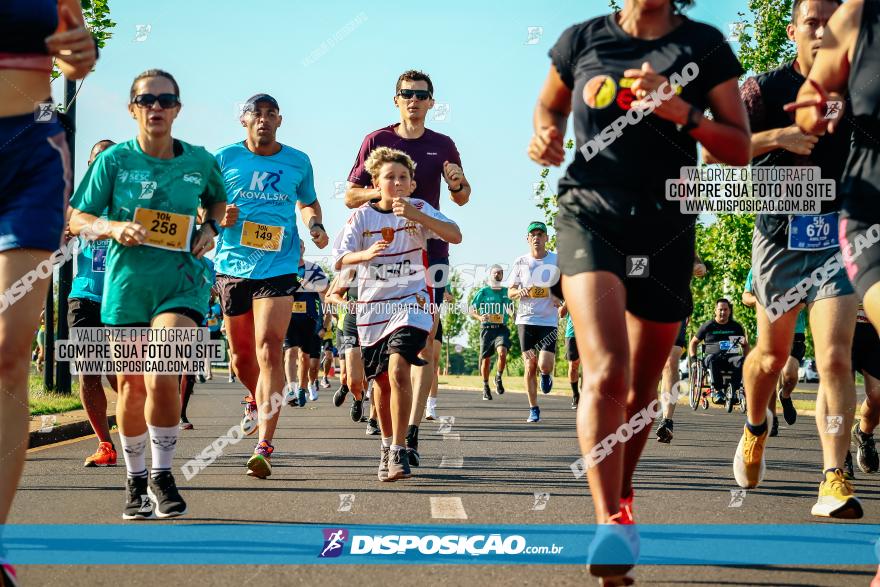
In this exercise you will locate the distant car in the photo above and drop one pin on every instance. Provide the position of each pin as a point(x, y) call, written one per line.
point(808, 373)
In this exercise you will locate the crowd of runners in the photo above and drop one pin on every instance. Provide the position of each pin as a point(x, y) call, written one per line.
point(149, 209)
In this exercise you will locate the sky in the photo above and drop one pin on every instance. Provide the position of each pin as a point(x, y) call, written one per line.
point(333, 65)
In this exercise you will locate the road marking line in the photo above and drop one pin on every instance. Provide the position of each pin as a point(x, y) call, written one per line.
point(452, 462)
point(452, 437)
point(448, 508)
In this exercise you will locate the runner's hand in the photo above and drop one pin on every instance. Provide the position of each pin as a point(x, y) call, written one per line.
point(524, 292)
point(563, 311)
point(794, 140)
point(129, 234)
point(319, 236)
point(820, 103)
point(453, 175)
point(404, 209)
point(230, 217)
point(374, 250)
point(75, 46)
point(203, 241)
point(675, 109)
point(699, 270)
point(546, 147)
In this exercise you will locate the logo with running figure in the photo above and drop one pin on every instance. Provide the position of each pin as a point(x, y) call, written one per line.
point(636, 266)
point(334, 541)
point(265, 179)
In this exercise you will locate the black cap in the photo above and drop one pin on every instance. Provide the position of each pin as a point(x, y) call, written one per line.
point(252, 102)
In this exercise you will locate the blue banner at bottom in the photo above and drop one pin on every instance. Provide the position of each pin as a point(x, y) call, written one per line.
point(302, 544)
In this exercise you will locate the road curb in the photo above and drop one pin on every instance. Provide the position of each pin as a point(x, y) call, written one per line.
point(64, 432)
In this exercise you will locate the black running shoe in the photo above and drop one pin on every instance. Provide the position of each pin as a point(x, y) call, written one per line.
point(664, 431)
point(499, 385)
point(163, 491)
point(487, 393)
point(339, 396)
point(789, 412)
point(575, 400)
point(866, 456)
point(137, 503)
point(373, 428)
point(848, 471)
point(774, 430)
point(412, 454)
point(357, 409)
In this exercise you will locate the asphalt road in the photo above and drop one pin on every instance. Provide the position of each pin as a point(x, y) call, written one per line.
point(490, 460)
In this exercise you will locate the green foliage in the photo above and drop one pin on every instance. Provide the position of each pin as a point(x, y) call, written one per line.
point(762, 36)
point(546, 201)
point(97, 17)
point(454, 319)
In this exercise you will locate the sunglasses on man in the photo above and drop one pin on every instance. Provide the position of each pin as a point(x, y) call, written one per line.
point(417, 94)
point(165, 101)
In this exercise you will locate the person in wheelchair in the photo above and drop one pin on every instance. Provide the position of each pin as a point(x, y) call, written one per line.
point(726, 346)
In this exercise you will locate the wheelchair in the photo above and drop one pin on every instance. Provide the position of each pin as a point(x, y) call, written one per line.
point(701, 385)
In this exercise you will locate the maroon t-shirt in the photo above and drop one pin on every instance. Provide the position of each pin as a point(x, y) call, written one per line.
point(429, 151)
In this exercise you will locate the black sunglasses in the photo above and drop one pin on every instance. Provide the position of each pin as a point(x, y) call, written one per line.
point(165, 100)
point(417, 94)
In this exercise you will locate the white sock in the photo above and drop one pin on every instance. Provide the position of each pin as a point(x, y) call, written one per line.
point(397, 447)
point(163, 445)
point(134, 450)
point(432, 402)
point(386, 442)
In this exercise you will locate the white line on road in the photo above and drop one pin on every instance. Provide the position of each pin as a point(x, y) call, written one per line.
point(448, 508)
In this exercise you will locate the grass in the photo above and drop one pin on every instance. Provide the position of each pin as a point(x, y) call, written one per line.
point(42, 402)
point(804, 399)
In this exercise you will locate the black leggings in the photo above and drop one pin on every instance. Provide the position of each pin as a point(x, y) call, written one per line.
point(187, 383)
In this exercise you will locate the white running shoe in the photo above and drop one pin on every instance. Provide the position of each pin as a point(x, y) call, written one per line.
point(290, 395)
point(430, 412)
point(313, 391)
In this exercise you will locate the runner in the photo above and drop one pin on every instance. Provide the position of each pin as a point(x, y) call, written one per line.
point(302, 341)
point(187, 381)
point(714, 333)
point(431, 405)
point(671, 374)
point(329, 351)
point(394, 316)
point(537, 318)
point(266, 181)
point(491, 307)
point(612, 205)
point(215, 328)
point(349, 347)
point(787, 249)
point(574, 362)
point(84, 311)
point(436, 158)
point(138, 292)
point(788, 378)
point(866, 360)
point(35, 179)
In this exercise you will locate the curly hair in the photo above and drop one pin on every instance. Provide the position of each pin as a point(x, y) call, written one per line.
point(382, 155)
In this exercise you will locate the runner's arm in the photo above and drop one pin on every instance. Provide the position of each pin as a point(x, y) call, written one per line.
point(727, 134)
point(692, 346)
point(549, 120)
point(311, 215)
point(830, 69)
point(358, 195)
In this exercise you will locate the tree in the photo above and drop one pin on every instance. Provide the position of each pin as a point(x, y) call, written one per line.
point(763, 41)
point(97, 17)
point(453, 317)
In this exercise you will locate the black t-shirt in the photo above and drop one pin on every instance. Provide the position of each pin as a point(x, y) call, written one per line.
point(764, 96)
point(861, 183)
point(629, 175)
point(712, 333)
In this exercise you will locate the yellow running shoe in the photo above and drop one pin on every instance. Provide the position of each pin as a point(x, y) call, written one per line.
point(748, 463)
point(837, 498)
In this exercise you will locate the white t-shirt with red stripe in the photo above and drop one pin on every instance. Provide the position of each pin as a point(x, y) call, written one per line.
point(392, 288)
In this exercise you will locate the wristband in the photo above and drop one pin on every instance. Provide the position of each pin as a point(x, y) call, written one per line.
point(460, 187)
point(316, 225)
point(213, 224)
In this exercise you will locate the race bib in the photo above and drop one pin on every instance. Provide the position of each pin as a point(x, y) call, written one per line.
point(261, 236)
point(166, 230)
point(725, 345)
point(538, 292)
point(812, 233)
point(213, 321)
point(299, 307)
point(99, 256)
point(494, 319)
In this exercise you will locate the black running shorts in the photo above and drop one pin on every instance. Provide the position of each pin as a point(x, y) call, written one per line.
point(652, 255)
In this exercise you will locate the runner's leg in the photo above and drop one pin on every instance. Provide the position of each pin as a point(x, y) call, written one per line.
point(870, 412)
point(601, 336)
point(242, 348)
point(17, 329)
point(270, 319)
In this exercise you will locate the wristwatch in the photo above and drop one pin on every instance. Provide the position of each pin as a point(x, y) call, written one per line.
point(460, 187)
point(317, 224)
point(213, 224)
point(694, 118)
